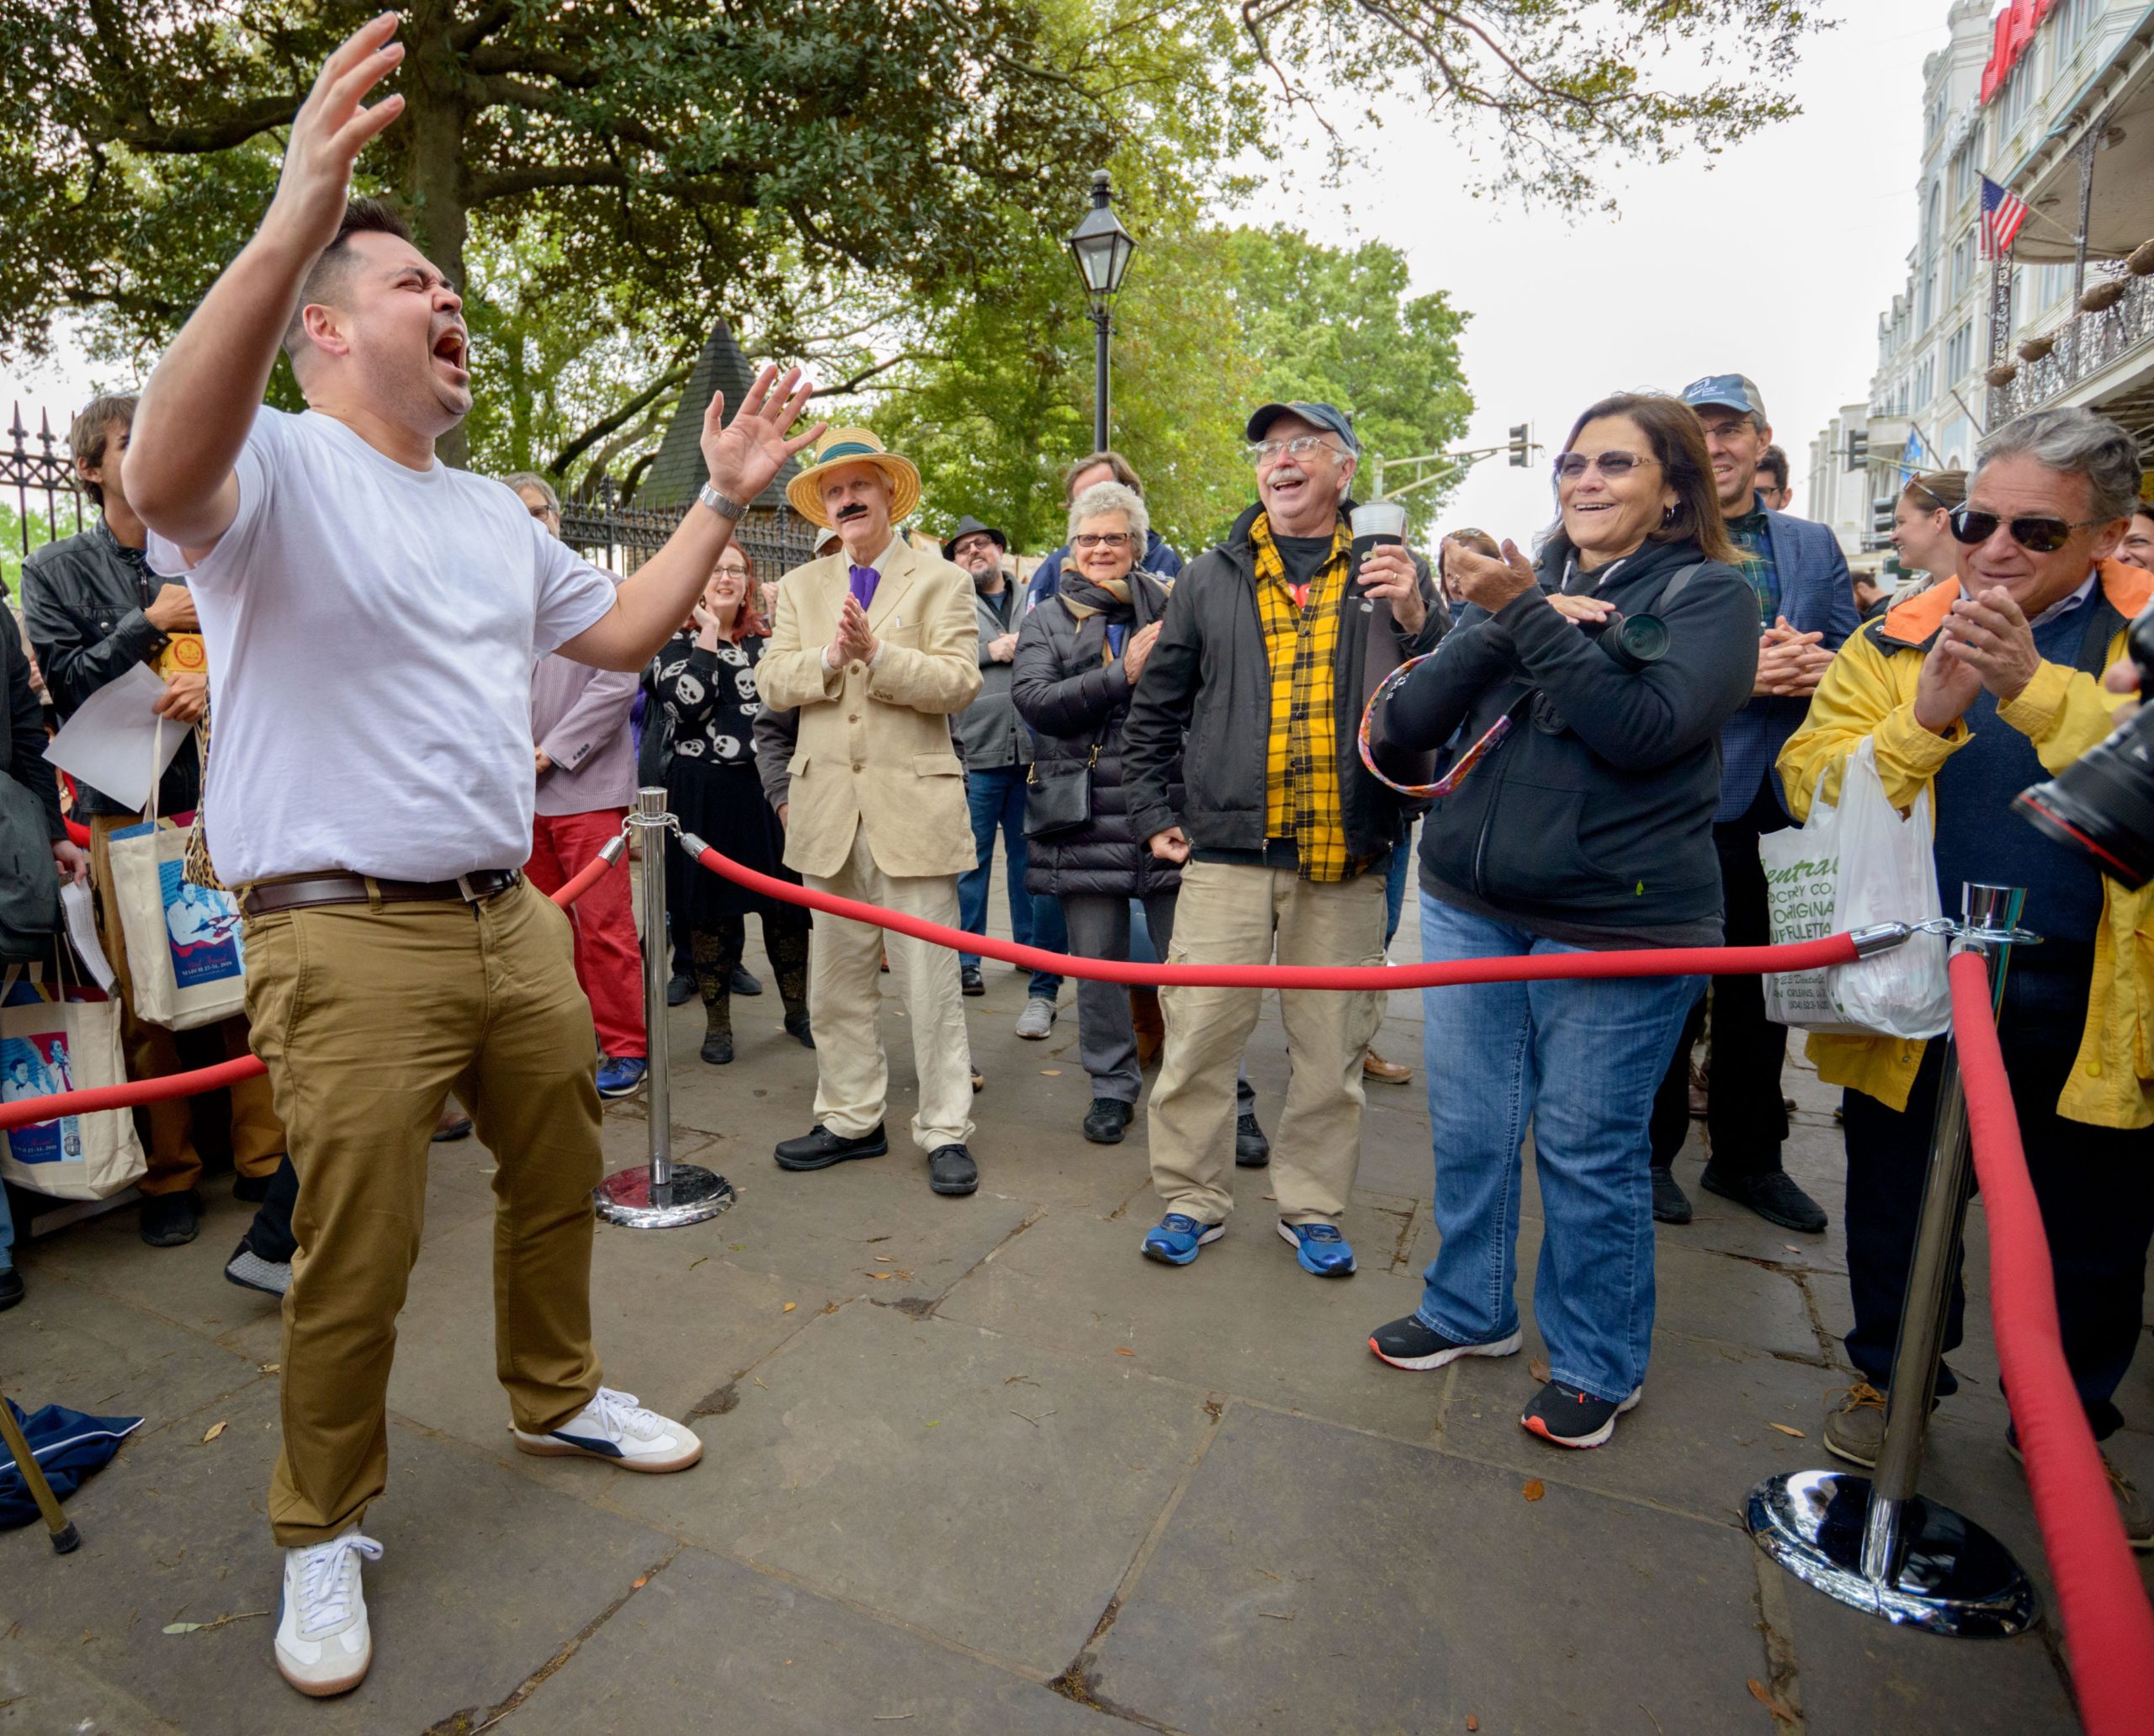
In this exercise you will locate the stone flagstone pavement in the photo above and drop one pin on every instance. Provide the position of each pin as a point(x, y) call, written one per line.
point(975, 1467)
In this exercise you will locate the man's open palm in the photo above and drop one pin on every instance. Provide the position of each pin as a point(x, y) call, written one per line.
point(330, 131)
point(742, 456)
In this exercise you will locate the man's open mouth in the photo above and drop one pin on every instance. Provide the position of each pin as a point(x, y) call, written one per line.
point(449, 347)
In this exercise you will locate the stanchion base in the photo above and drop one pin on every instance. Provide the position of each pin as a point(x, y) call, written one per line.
point(691, 1194)
point(1956, 1579)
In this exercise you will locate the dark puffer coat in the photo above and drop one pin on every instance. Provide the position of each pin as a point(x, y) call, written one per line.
point(1074, 695)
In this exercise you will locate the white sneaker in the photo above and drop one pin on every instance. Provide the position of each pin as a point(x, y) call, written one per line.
point(612, 1426)
point(323, 1644)
point(1037, 1019)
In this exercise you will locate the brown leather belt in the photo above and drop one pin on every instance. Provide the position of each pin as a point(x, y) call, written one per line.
point(301, 891)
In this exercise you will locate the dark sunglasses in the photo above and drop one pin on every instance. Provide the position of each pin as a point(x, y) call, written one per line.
point(2036, 535)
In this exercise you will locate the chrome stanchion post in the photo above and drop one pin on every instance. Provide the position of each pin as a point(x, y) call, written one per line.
point(661, 1194)
point(1873, 1543)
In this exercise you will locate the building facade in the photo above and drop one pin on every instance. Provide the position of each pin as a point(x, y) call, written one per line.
point(2053, 100)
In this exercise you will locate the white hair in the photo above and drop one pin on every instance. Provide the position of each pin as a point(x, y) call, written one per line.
point(1119, 497)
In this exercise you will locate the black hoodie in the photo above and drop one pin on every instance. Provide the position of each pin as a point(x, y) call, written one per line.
point(1591, 821)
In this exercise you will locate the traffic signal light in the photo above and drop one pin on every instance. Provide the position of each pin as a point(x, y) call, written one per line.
point(1521, 446)
point(1881, 510)
point(1858, 449)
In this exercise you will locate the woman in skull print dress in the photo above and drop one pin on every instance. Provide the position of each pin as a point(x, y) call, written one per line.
point(706, 680)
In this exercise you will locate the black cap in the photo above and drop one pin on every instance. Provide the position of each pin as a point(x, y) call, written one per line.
point(969, 526)
point(1321, 416)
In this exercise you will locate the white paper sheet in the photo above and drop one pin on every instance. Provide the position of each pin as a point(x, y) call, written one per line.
point(76, 901)
point(114, 742)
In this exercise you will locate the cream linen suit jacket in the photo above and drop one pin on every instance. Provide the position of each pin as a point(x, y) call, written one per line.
point(874, 749)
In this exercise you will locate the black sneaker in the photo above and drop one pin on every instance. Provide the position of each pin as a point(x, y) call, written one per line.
point(798, 1029)
point(821, 1147)
point(171, 1220)
point(970, 981)
point(1567, 1417)
point(1105, 1119)
point(950, 1169)
point(1773, 1196)
point(745, 981)
point(680, 989)
point(1409, 1344)
point(11, 1288)
point(1670, 1204)
point(718, 1048)
point(1252, 1151)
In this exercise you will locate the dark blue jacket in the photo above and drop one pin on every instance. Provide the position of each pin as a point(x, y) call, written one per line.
point(1816, 596)
point(1159, 559)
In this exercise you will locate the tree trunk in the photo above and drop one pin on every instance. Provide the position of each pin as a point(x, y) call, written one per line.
point(434, 122)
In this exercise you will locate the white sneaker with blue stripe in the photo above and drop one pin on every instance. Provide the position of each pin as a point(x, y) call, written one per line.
point(613, 1427)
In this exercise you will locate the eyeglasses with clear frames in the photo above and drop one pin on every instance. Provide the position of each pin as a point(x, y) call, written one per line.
point(1266, 451)
point(1572, 465)
point(1102, 539)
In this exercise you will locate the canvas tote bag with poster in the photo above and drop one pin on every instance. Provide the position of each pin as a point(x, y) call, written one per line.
point(59, 1038)
point(183, 948)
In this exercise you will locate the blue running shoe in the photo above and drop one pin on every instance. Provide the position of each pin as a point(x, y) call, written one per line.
point(620, 1075)
point(1320, 1249)
point(1176, 1238)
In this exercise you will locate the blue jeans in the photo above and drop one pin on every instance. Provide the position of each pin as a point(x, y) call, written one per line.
point(1580, 1061)
point(1050, 934)
point(996, 797)
point(7, 1233)
point(1394, 884)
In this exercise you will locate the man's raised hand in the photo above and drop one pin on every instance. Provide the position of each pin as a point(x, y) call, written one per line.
point(742, 456)
point(330, 131)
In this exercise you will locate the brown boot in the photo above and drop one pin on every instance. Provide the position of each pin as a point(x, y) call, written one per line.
point(1374, 1066)
point(1150, 1023)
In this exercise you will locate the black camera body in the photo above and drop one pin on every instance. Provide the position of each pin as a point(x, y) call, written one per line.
point(2103, 804)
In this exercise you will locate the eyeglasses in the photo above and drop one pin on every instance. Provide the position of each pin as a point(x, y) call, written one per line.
point(2036, 534)
point(1102, 539)
point(1266, 451)
point(1572, 465)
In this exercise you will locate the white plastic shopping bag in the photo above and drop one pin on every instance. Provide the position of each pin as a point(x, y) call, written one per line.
point(184, 952)
point(57, 1039)
point(1888, 874)
point(1802, 880)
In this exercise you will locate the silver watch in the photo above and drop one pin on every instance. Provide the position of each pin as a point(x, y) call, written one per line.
point(719, 504)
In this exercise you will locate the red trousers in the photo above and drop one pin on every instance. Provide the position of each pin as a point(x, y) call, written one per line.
point(608, 957)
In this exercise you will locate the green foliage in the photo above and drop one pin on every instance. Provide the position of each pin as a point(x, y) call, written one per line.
point(20, 535)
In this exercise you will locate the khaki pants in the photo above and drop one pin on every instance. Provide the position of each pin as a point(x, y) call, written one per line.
point(844, 1000)
point(175, 1166)
point(1231, 914)
point(368, 1014)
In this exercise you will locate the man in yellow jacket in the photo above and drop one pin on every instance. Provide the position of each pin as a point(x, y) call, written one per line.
point(1973, 689)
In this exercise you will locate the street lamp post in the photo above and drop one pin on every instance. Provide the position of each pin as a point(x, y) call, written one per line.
point(1102, 248)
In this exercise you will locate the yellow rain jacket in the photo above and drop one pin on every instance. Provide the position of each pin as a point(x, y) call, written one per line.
point(1869, 690)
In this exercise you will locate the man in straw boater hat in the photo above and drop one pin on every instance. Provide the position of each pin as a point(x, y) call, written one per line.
point(373, 616)
point(877, 646)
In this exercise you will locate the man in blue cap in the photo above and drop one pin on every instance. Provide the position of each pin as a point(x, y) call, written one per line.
point(1278, 826)
point(1806, 608)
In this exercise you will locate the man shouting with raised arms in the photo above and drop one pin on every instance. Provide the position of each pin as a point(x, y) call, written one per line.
point(371, 618)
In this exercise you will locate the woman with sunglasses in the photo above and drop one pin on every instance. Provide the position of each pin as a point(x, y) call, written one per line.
point(1584, 706)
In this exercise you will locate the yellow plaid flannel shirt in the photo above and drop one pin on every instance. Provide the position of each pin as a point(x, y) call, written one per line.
point(1303, 800)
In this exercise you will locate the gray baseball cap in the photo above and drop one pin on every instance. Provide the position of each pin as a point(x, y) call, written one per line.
point(1321, 416)
point(1727, 391)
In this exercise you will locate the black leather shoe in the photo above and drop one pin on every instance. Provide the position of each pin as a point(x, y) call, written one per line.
point(969, 980)
point(1105, 1119)
point(821, 1147)
point(1670, 1204)
point(718, 1048)
point(170, 1220)
point(11, 1288)
point(680, 989)
point(745, 981)
point(950, 1169)
point(1772, 1196)
point(1252, 1151)
point(798, 1029)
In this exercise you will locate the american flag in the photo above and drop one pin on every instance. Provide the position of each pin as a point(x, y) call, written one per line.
point(2002, 213)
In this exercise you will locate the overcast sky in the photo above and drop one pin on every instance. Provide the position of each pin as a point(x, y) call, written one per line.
point(1774, 262)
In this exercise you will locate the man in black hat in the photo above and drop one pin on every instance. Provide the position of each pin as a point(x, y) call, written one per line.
point(1279, 827)
point(998, 751)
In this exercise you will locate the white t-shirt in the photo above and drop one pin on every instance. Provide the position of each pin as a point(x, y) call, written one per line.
point(371, 630)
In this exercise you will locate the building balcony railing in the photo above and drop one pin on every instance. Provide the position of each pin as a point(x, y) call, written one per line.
point(2086, 345)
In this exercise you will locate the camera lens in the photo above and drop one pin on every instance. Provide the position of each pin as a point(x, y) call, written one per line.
point(2103, 803)
point(1642, 639)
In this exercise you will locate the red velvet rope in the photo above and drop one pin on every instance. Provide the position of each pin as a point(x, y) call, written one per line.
point(2109, 1625)
point(25, 1111)
point(1664, 961)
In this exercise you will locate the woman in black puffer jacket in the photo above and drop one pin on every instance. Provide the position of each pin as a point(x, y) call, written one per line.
point(1079, 657)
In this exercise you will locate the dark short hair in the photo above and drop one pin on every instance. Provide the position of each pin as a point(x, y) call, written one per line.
point(91, 428)
point(325, 278)
point(1479, 541)
point(1678, 439)
point(1112, 459)
point(1773, 464)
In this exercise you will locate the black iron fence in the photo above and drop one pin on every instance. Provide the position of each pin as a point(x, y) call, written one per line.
point(622, 538)
point(38, 492)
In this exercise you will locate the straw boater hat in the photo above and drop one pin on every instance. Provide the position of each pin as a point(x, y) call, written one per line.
point(847, 446)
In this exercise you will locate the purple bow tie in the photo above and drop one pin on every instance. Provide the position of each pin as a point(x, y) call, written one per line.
point(864, 581)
